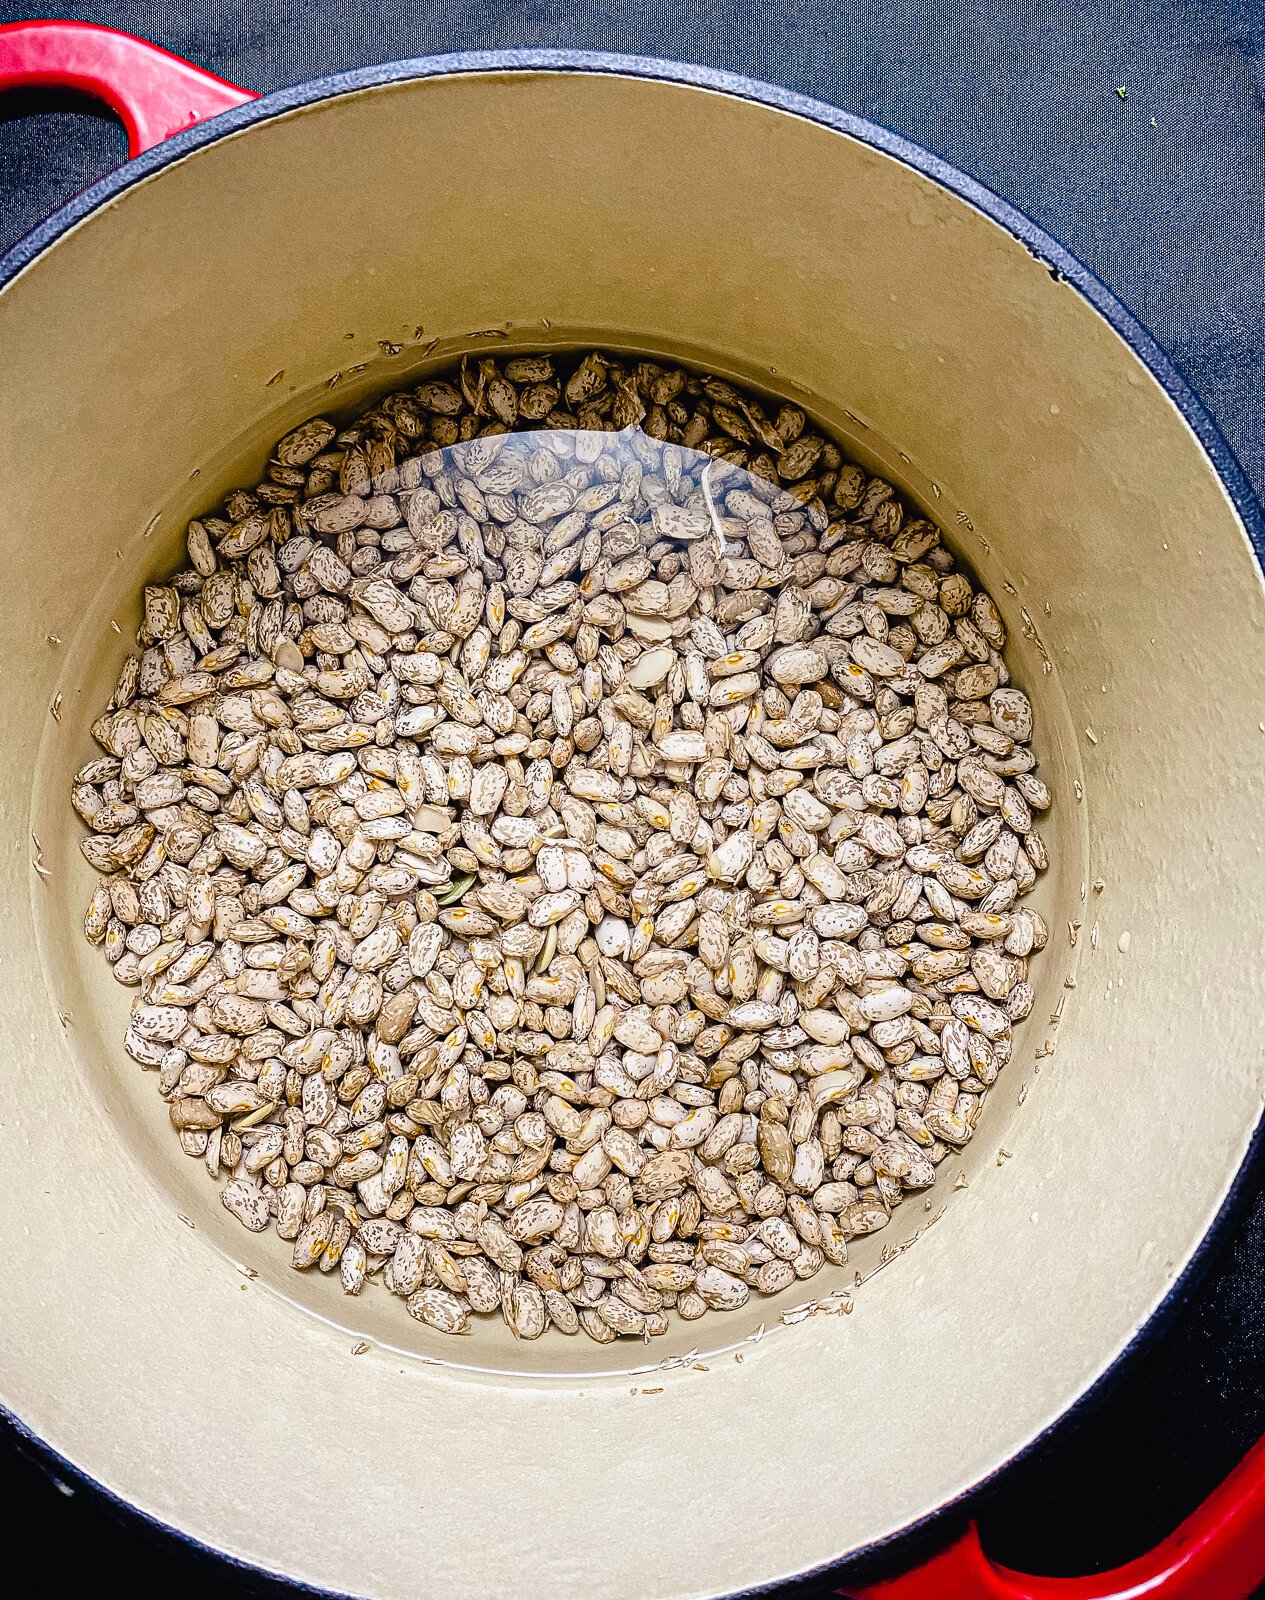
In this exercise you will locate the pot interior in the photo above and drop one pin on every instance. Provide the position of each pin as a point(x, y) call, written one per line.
point(151, 357)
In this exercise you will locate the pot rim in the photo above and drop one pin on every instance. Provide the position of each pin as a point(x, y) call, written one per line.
point(1061, 264)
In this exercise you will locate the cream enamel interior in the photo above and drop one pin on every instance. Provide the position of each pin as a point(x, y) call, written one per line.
point(560, 207)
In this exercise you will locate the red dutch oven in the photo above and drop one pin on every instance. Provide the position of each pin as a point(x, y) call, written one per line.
point(260, 260)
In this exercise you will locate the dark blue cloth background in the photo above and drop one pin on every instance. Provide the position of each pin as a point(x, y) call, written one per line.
point(1161, 192)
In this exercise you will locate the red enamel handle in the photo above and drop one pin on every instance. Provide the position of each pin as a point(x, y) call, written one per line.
point(154, 93)
point(1218, 1553)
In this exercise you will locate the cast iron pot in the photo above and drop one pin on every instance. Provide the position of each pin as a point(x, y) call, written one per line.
point(306, 251)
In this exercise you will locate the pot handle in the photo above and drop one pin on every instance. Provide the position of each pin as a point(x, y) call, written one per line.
point(1218, 1553)
point(154, 93)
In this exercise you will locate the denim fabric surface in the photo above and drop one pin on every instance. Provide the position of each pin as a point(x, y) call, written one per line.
point(1135, 134)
